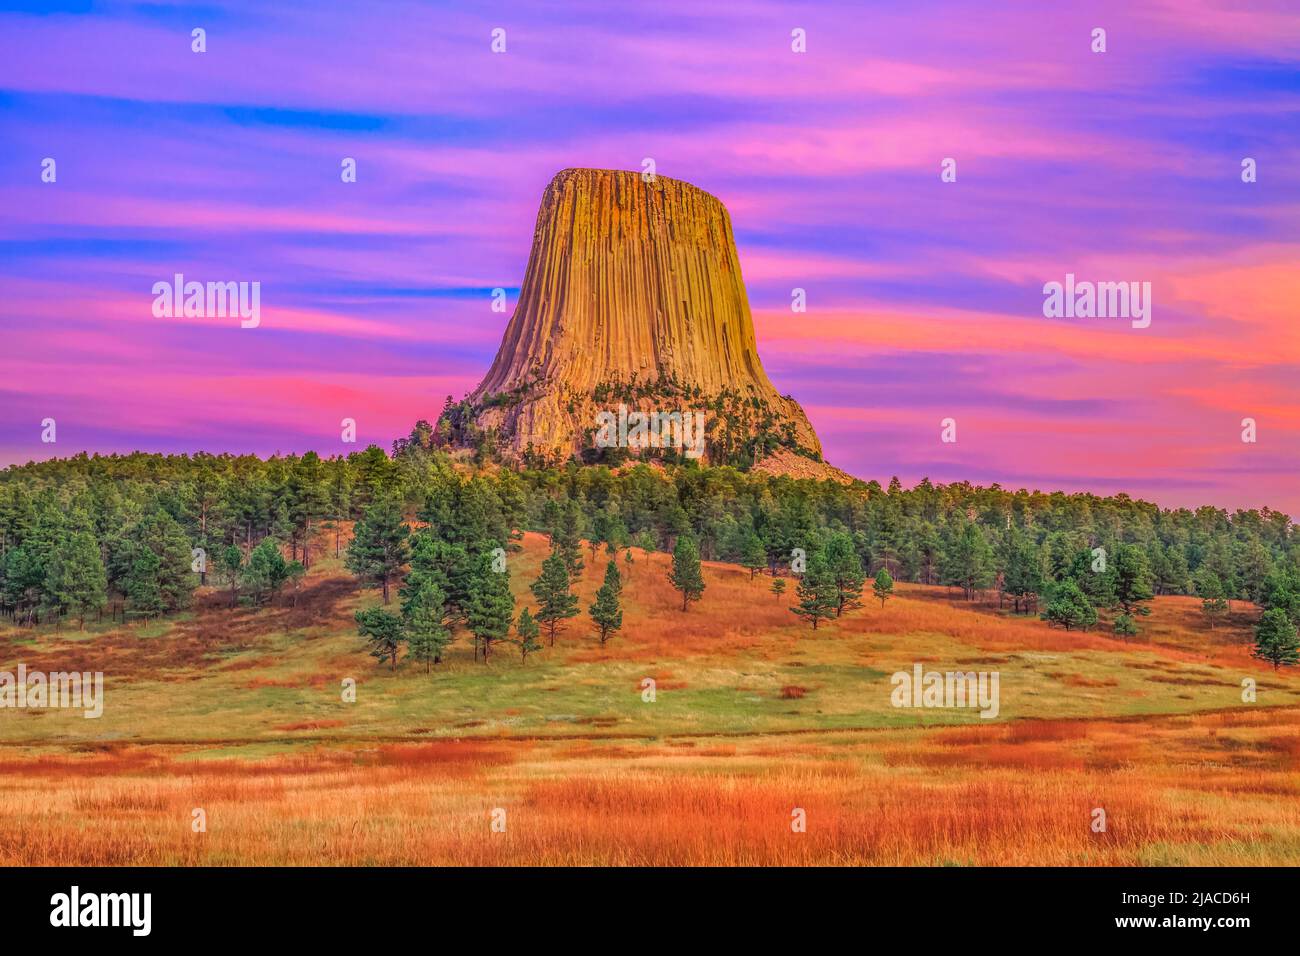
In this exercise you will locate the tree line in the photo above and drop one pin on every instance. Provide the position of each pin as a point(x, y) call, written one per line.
point(139, 518)
point(454, 575)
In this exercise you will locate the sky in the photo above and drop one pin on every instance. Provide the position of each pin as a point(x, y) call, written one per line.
point(924, 297)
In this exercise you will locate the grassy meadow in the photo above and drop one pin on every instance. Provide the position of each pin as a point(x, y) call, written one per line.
point(240, 713)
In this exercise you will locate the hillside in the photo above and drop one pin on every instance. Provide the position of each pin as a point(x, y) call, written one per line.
point(240, 712)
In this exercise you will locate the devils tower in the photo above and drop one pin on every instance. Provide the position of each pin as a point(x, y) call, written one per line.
point(633, 296)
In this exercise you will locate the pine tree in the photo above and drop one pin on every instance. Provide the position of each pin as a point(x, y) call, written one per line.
point(686, 575)
point(75, 578)
point(526, 632)
point(143, 591)
point(160, 533)
point(1069, 607)
point(1132, 585)
point(1169, 570)
point(1098, 586)
point(967, 559)
point(308, 501)
point(383, 632)
point(379, 547)
point(845, 568)
point(491, 609)
point(646, 541)
point(1281, 590)
point(606, 613)
point(818, 597)
point(1218, 559)
point(265, 572)
point(753, 554)
point(23, 578)
point(883, 587)
point(230, 567)
point(295, 572)
point(552, 520)
point(1125, 626)
point(778, 588)
point(551, 589)
point(613, 578)
point(1275, 639)
point(1022, 578)
point(568, 538)
point(432, 561)
point(340, 500)
point(1210, 590)
point(424, 624)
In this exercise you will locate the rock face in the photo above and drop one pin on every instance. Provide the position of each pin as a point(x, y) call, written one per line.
point(633, 294)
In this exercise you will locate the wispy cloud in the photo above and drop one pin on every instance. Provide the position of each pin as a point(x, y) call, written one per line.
point(924, 297)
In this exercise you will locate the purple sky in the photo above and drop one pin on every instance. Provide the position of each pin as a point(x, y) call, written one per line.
point(925, 298)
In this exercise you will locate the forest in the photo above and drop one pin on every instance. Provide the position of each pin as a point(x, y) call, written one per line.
point(132, 537)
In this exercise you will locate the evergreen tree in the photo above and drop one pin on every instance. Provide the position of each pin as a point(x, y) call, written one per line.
point(1254, 564)
point(1275, 639)
point(1022, 579)
point(883, 586)
point(295, 572)
point(491, 609)
point(568, 538)
point(753, 555)
point(75, 578)
point(230, 567)
point(425, 565)
point(1098, 586)
point(23, 580)
point(1132, 584)
point(646, 541)
point(1281, 590)
point(551, 589)
point(845, 568)
point(265, 573)
point(424, 624)
point(526, 632)
point(552, 520)
point(143, 590)
point(1169, 570)
point(613, 578)
point(1069, 607)
point(1125, 626)
point(686, 575)
point(1210, 590)
point(967, 560)
point(308, 501)
point(383, 632)
point(340, 500)
point(379, 547)
point(1218, 559)
point(606, 613)
point(778, 588)
point(160, 533)
point(818, 597)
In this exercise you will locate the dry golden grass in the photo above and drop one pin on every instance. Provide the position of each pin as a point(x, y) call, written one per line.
point(1203, 790)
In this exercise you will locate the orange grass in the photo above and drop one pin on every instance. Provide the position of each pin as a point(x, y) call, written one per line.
point(1216, 789)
